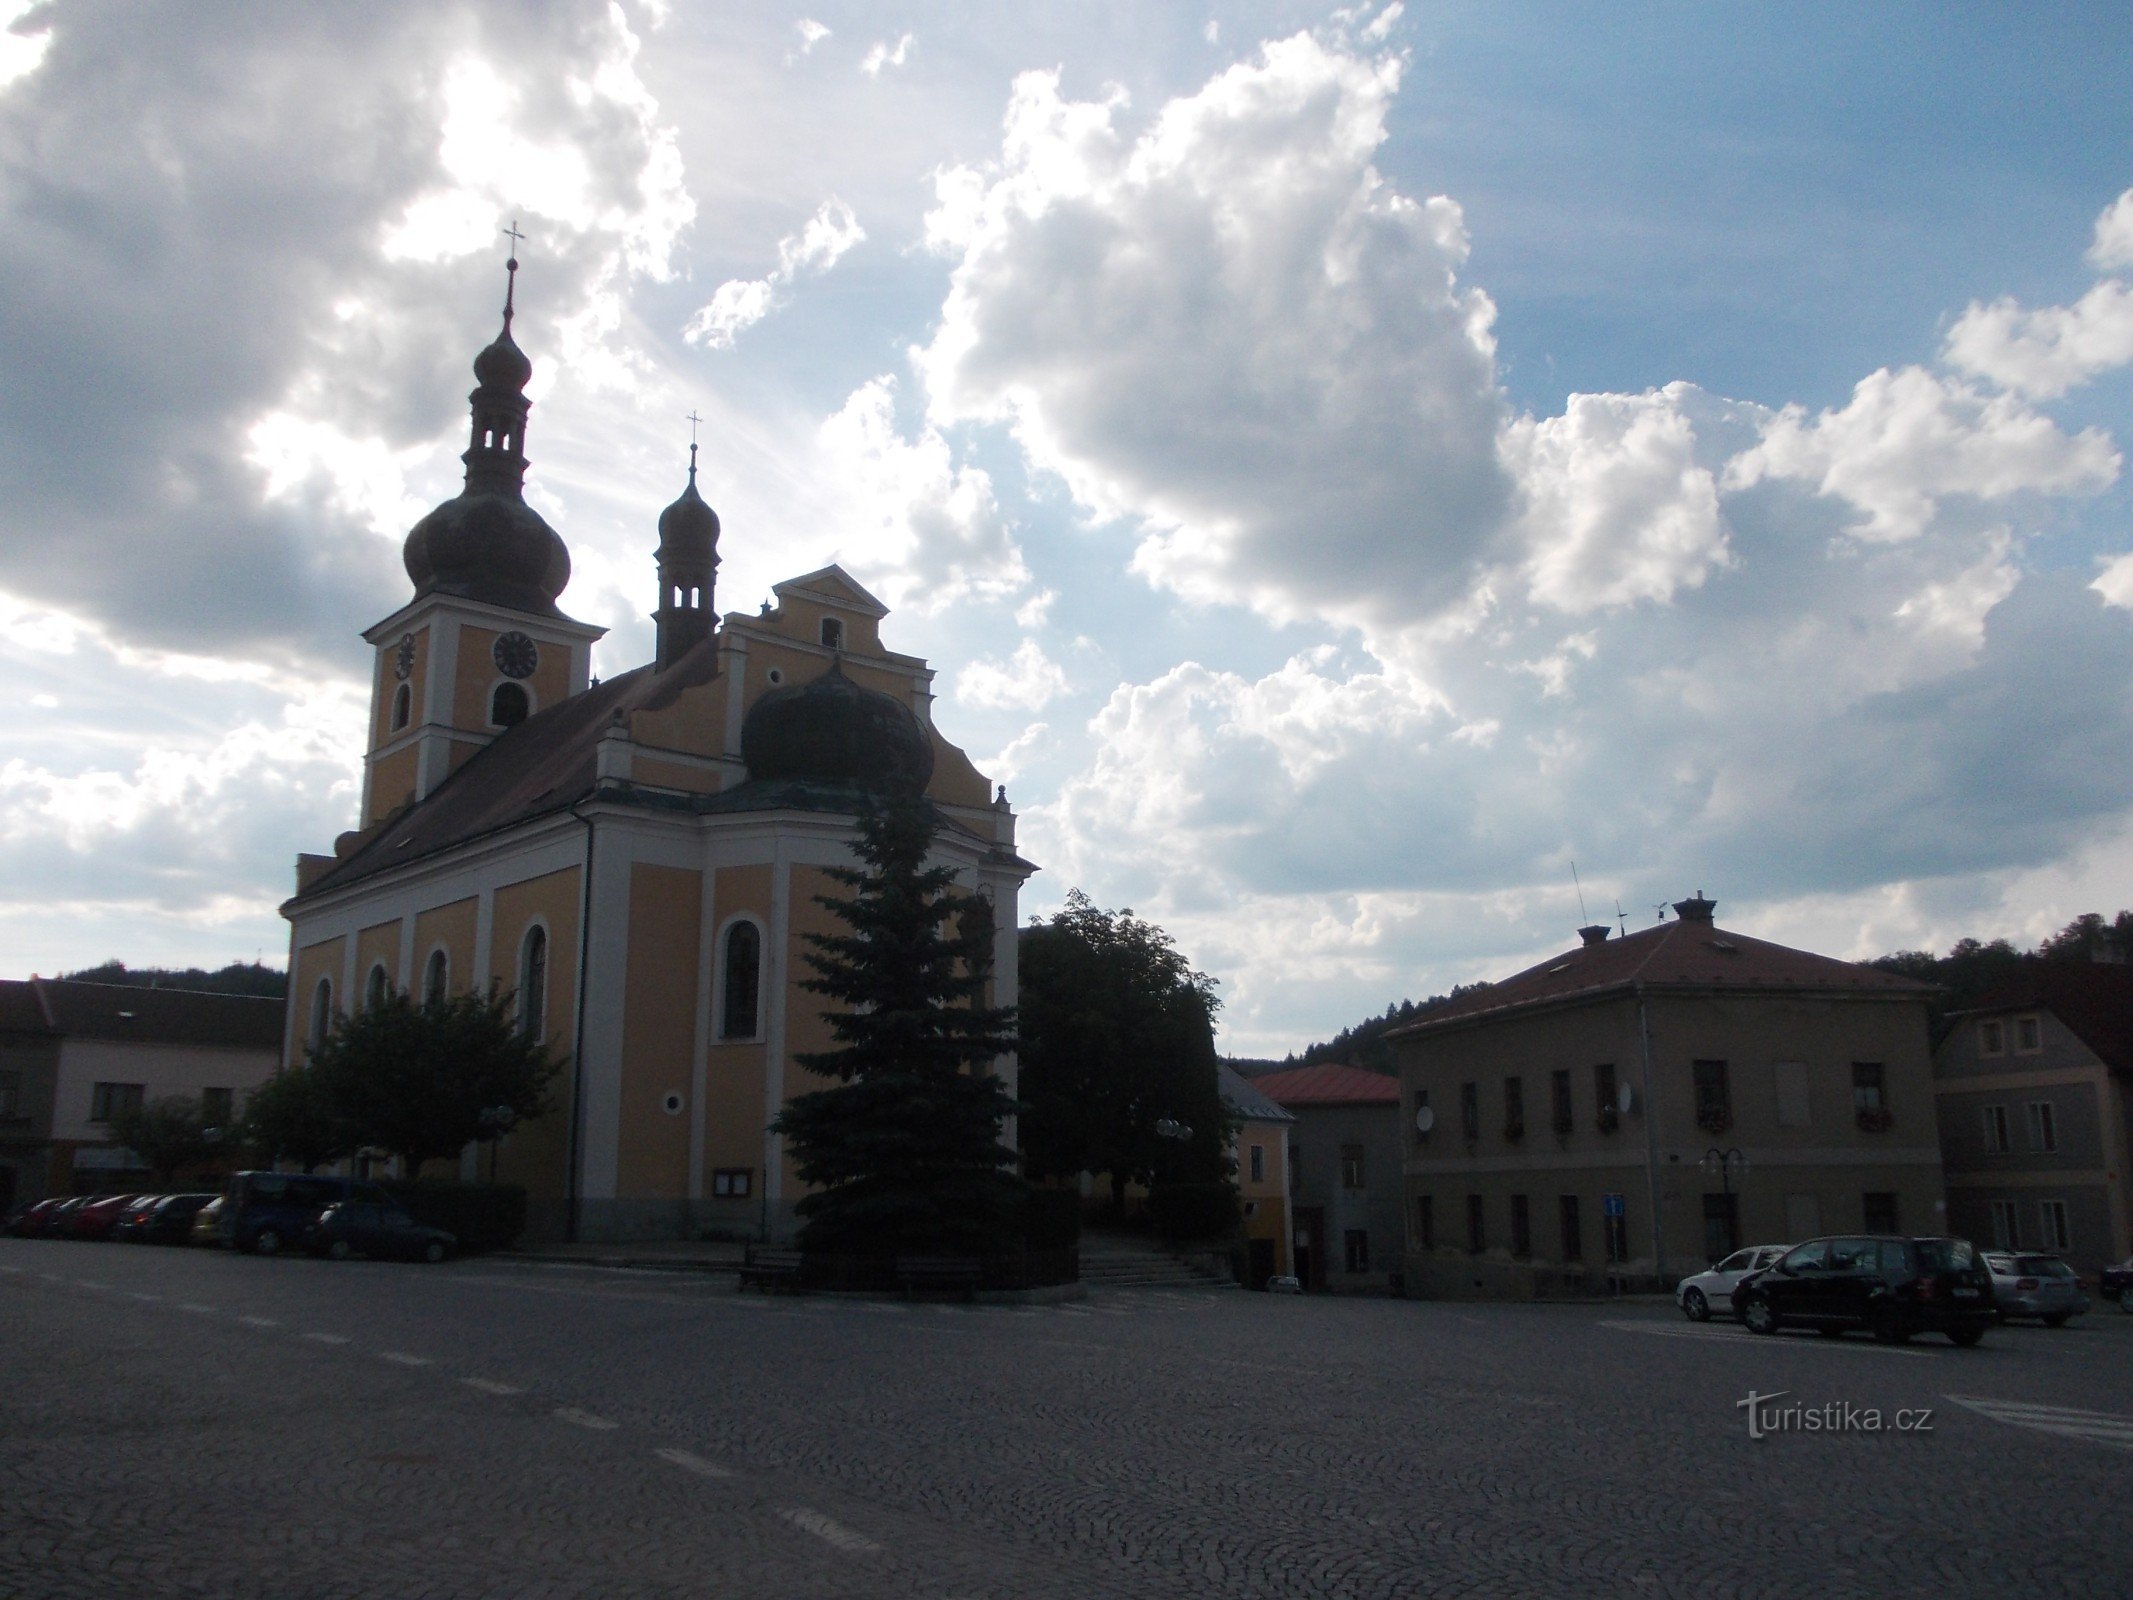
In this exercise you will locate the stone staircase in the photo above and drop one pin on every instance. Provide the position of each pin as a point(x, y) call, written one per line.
point(1135, 1261)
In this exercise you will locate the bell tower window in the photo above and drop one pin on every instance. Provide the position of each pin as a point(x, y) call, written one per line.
point(403, 705)
point(507, 706)
point(833, 633)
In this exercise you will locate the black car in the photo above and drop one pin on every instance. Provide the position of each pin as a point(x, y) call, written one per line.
point(369, 1228)
point(169, 1220)
point(1891, 1287)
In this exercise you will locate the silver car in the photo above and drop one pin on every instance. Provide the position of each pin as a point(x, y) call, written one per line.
point(1712, 1289)
point(2043, 1287)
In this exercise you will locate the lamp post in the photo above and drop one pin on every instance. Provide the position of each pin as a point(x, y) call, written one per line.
point(1722, 1164)
point(496, 1121)
point(1172, 1131)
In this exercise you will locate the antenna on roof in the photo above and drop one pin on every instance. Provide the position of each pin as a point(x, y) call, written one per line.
point(1582, 917)
point(1622, 917)
point(1659, 911)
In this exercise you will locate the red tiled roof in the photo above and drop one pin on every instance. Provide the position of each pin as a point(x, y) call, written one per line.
point(2096, 1002)
point(1328, 1084)
point(162, 1016)
point(20, 1010)
point(1688, 953)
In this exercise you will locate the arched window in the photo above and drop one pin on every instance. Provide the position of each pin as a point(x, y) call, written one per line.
point(833, 633)
point(377, 986)
point(744, 970)
point(403, 704)
point(321, 1013)
point(436, 977)
point(507, 706)
point(533, 984)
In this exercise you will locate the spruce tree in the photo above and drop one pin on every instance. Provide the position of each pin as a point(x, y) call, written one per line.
point(903, 1150)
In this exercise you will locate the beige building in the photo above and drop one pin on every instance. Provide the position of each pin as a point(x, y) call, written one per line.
point(1636, 1107)
point(639, 858)
point(72, 1053)
point(1261, 1149)
point(2036, 1122)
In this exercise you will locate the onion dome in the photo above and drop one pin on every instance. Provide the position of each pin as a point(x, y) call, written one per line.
point(834, 732)
point(487, 543)
point(688, 529)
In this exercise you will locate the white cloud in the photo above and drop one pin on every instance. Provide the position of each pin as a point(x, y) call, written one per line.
point(1229, 328)
point(2113, 247)
point(21, 52)
point(740, 303)
point(1909, 439)
point(1616, 508)
point(2115, 581)
point(923, 530)
point(884, 54)
point(2044, 353)
point(1029, 680)
point(811, 33)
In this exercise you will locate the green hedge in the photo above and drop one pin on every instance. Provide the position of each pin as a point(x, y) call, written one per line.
point(1195, 1210)
point(484, 1216)
point(1051, 1219)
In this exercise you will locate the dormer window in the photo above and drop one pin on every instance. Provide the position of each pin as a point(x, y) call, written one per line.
point(833, 633)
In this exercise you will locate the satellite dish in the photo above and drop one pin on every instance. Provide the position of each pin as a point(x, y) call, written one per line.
point(1625, 1099)
point(1425, 1119)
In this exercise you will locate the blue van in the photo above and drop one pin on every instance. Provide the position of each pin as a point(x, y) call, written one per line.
point(262, 1211)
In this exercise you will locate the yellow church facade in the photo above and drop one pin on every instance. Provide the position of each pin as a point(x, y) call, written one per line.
point(637, 859)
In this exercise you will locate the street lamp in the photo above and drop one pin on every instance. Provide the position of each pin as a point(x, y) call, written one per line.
point(496, 1121)
point(1174, 1131)
point(1722, 1164)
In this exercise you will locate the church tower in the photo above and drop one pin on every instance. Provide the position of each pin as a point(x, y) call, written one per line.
point(688, 571)
point(481, 646)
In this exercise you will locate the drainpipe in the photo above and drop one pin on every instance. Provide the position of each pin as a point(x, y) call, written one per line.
point(1651, 1139)
point(573, 1199)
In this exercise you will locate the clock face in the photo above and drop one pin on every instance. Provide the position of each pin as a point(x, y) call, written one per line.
point(516, 655)
point(404, 657)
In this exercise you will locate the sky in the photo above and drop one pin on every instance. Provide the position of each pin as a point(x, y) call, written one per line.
point(1366, 478)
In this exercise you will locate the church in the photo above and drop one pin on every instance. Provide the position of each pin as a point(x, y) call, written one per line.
point(637, 859)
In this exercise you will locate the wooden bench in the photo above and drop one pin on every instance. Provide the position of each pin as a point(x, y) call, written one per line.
point(768, 1269)
point(959, 1273)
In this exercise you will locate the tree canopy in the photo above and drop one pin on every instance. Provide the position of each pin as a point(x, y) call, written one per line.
point(167, 1134)
point(903, 1149)
point(415, 1079)
point(239, 977)
point(1117, 1036)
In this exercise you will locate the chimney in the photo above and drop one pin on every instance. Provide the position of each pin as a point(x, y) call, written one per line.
point(1697, 910)
point(1596, 934)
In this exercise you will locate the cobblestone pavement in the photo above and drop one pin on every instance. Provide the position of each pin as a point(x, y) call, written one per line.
point(188, 1423)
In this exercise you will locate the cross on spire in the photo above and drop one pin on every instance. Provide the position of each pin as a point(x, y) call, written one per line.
point(694, 419)
point(511, 269)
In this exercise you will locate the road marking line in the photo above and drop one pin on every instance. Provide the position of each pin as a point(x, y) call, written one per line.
point(259, 1322)
point(88, 1284)
point(584, 1419)
point(327, 1338)
point(694, 1463)
point(138, 1295)
point(403, 1359)
point(191, 1305)
point(1741, 1340)
point(491, 1386)
point(2097, 1427)
point(829, 1532)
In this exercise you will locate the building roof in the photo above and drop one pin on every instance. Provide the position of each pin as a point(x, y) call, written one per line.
point(143, 1015)
point(1328, 1084)
point(1245, 1101)
point(1690, 953)
point(2094, 1001)
point(20, 1009)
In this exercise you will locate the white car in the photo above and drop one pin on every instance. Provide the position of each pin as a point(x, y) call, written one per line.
point(1712, 1289)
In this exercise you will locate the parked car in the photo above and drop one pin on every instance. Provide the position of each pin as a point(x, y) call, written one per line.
point(2114, 1282)
point(34, 1221)
point(96, 1218)
point(1891, 1287)
point(263, 1211)
point(2037, 1286)
point(127, 1229)
point(375, 1228)
point(207, 1226)
point(1714, 1286)
point(1284, 1284)
point(169, 1221)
